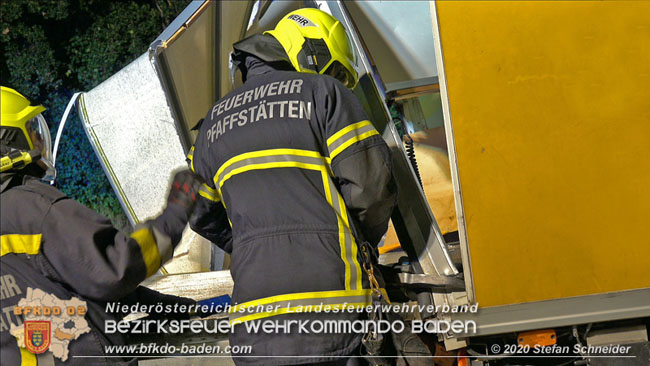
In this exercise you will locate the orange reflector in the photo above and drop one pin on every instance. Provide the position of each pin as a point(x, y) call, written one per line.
point(544, 337)
point(462, 358)
point(389, 247)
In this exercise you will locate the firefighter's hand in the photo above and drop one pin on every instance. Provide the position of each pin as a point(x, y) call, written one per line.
point(180, 203)
point(184, 190)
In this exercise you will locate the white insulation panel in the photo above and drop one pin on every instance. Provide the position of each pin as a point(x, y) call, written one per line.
point(132, 130)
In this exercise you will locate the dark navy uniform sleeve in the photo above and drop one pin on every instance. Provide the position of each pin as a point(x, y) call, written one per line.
point(209, 218)
point(86, 252)
point(360, 161)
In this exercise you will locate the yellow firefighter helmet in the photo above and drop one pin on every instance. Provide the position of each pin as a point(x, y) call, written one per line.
point(316, 42)
point(23, 130)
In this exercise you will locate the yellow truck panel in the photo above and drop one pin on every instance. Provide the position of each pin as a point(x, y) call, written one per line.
point(550, 107)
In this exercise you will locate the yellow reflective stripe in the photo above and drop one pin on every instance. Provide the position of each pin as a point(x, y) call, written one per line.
point(209, 193)
point(282, 164)
point(353, 279)
point(20, 244)
point(302, 302)
point(300, 296)
point(208, 196)
point(190, 156)
point(351, 141)
point(262, 153)
point(353, 246)
point(149, 249)
point(27, 358)
point(354, 126)
point(294, 309)
point(328, 196)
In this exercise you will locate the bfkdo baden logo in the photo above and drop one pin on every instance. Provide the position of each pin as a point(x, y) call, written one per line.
point(50, 323)
point(37, 335)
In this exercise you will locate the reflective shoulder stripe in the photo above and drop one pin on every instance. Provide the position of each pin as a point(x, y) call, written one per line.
point(190, 156)
point(209, 193)
point(145, 239)
point(299, 302)
point(349, 135)
point(20, 243)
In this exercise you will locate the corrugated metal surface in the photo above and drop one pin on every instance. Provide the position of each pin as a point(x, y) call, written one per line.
point(131, 128)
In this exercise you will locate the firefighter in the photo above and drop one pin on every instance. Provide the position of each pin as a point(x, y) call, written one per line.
point(54, 244)
point(296, 177)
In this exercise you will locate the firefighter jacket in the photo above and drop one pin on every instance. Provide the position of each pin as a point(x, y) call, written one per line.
point(292, 166)
point(54, 244)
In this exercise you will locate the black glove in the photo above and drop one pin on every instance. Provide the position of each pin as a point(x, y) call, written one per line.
point(184, 189)
point(180, 203)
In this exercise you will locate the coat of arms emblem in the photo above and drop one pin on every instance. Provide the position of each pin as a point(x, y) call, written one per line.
point(37, 336)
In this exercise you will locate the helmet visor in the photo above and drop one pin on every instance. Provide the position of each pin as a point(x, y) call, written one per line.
point(339, 72)
point(39, 134)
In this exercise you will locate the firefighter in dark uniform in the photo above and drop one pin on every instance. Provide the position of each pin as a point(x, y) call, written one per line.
point(52, 243)
point(296, 176)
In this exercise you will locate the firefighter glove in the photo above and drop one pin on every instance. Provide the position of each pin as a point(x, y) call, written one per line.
point(184, 189)
point(180, 203)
